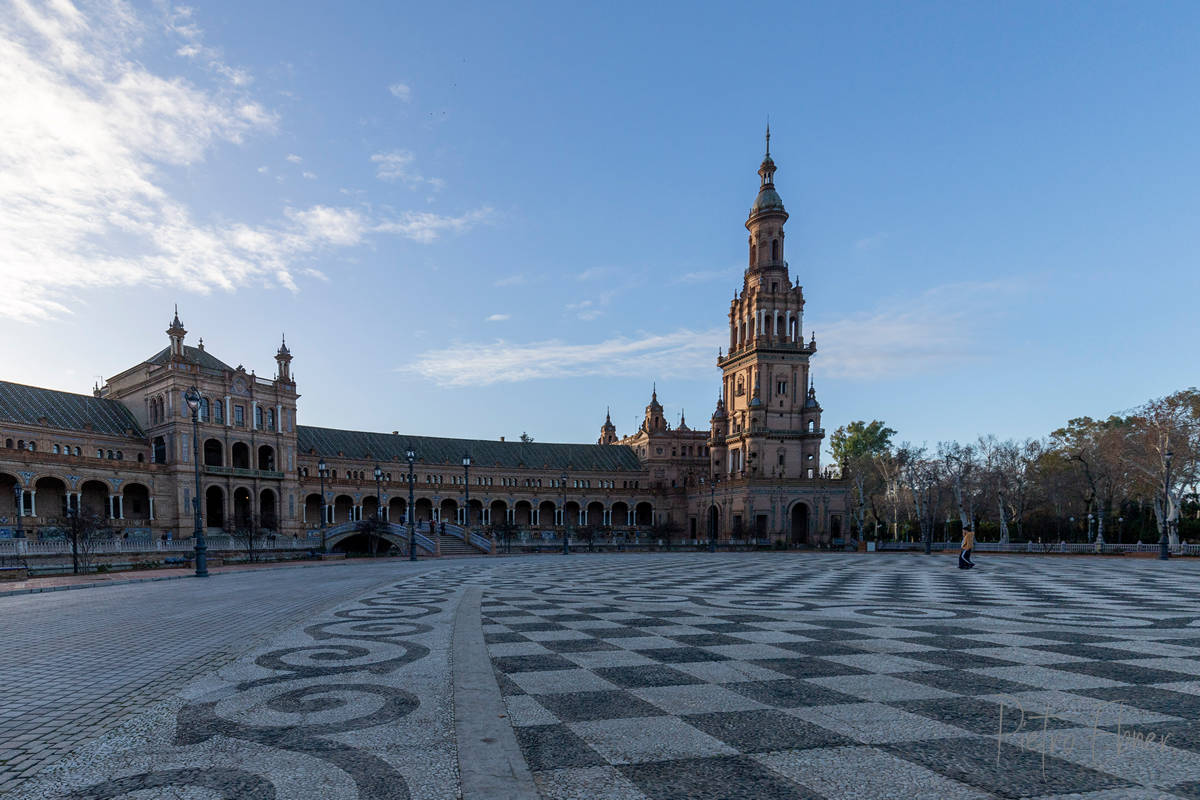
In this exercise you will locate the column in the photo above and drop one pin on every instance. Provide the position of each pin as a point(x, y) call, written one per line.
point(279, 417)
point(120, 506)
point(253, 415)
point(228, 411)
point(33, 502)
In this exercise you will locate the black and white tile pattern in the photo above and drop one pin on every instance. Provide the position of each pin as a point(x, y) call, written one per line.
point(668, 678)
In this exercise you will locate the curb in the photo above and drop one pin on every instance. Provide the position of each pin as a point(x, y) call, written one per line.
point(490, 763)
point(99, 584)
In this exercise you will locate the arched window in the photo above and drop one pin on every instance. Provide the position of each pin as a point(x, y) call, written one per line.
point(78, 452)
point(141, 457)
point(753, 254)
point(54, 449)
point(110, 454)
point(33, 447)
point(204, 409)
point(774, 249)
point(120, 456)
point(20, 444)
point(99, 454)
point(8, 443)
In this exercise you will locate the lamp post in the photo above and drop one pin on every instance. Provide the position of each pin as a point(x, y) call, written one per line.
point(323, 471)
point(192, 398)
point(712, 520)
point(566, 544)
point(411, 455)
point(378, 501)
point(19, 505)
point(1089, 530)
point(466, 462)
point(1164, 551)
point(1121, 530)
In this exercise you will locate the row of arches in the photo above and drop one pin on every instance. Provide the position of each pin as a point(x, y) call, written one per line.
point(546, 513)
point(50, 498)
point(241, 508)
point(240, 456)
point(779, 324)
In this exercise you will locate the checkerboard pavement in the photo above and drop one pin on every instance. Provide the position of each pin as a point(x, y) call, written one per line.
point(665, 694)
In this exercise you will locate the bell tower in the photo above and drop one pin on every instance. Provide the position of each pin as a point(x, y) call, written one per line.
point(770, 426)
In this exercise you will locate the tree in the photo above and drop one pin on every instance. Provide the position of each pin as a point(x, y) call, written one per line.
point(666, 530)
point(248, 531)
point(526, 438)
point(373, 527)
point(857, 447)
point(923, 476)
point(1167, 424)
point(961, 462)
point(84, 527)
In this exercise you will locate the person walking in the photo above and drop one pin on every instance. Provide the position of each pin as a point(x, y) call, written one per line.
point(964, 552)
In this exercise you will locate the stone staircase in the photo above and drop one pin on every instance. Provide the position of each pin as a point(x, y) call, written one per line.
point(452, 542)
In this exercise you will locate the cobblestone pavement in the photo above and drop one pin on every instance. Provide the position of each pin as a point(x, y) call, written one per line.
point(628, 676)
point(76, 664)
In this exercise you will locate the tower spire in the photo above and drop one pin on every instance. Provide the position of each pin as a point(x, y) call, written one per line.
point(768, 136)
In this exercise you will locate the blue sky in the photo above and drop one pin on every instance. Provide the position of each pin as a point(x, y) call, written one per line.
point(478, 220)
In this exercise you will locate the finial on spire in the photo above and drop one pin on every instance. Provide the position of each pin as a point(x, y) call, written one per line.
point(768, 135)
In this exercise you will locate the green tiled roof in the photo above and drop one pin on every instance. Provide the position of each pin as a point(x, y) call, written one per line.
point(193, 354)
point(28, 405)
point(329, 442)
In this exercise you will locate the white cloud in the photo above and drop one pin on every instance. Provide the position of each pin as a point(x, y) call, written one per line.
point(498, 318)
point(401, 91)
point(512, 280)
point(584, 310)
point(87, 139)
point(312, 176)
point(179, 21)
point(920, 337)
point(709, 275)
point(425, 226)
point(295, 159)
point(935, 330)
point(396, 165)
point(592, 273)
point(680, 354)
point(263, 170)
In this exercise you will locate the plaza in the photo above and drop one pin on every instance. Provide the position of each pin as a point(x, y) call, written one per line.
point(699, 675)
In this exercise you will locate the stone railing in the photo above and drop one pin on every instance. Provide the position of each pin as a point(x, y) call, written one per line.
point(239, 472)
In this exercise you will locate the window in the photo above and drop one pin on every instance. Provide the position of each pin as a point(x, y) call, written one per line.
point(239, 415)
point(258, 418)
point(204, 409)
point(781, 458)
point(218, 412)
point(810, 473)
point(54, 449)
point(8, 443)
point(141, 458)
point(120, 456)
point(781, 388)
point(270, 419)
point(78, 452)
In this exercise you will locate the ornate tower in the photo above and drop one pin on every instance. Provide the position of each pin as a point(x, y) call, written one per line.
point(176, 333)
point(283, 361)
point(655, 422)
point(608, 431)
point(770, 428)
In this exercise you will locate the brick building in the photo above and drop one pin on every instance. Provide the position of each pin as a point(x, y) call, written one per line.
point(127, 451)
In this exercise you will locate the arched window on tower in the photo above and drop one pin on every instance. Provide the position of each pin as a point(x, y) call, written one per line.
point(753, 255)
point(775, 250)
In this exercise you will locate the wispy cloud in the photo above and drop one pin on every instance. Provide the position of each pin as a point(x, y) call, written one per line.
point(425, 226)
point(498, 318)
point(180, 22)
point(872, 242)
point(512, 280)
point(709, 275)
point(884, 342)
point(937, 329)
point(397, 165)
point(585, 310)
point(592, 273)
point(679, 354)
point(88, 137)
point(401, 91)
point(295, 159)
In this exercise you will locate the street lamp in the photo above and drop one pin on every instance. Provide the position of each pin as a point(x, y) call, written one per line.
point(1163, 545)
point(378, 498)
point(192, 398)
point(1089, 530)
point(566, 545)
point(19, 505)
point(323, 471)
point(411, 455)
point(466, 462)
